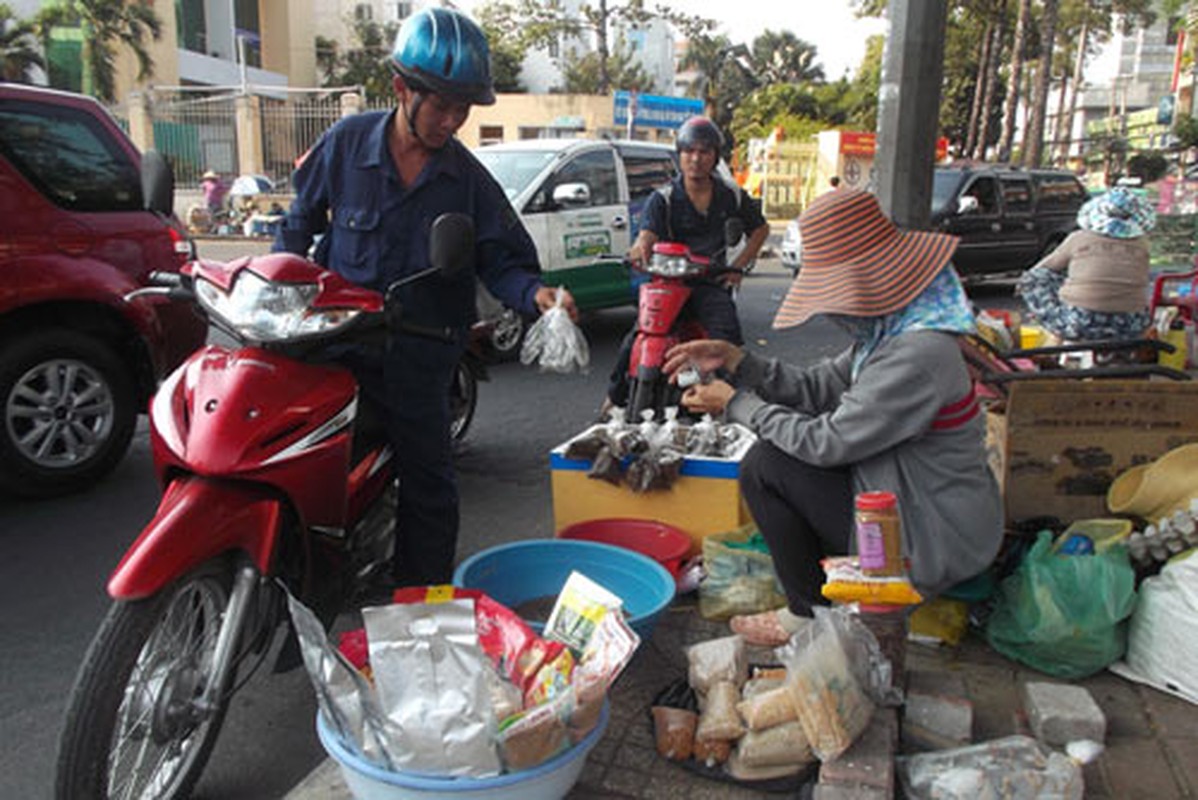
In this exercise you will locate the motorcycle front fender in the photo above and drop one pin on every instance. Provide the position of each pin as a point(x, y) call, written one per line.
point(198, 519)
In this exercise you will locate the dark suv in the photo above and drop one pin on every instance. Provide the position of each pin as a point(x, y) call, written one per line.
point(1007, 218)
point(84, 220)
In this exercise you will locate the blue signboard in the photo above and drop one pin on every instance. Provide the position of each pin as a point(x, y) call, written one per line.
point(655, 111)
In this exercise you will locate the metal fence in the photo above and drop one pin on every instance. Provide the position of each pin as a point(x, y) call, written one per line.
point(290, 127)
point(197, 133)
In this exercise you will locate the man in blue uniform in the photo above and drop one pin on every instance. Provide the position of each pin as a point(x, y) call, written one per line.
point(373, 185)
point(692, 210)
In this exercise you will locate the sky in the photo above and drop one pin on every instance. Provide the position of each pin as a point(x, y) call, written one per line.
point(838, 37)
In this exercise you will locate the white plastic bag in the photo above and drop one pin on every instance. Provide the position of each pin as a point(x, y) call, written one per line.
point(1162, 644)
point(555, 342)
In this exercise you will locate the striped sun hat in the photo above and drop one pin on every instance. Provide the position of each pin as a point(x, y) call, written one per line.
point(857, 262)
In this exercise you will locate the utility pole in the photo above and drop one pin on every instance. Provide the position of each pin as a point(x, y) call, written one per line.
point(909, 109)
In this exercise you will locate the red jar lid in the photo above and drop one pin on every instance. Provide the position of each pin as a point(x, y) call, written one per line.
point(876, 501)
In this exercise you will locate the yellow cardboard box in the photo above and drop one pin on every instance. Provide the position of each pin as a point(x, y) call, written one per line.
point(705, 499)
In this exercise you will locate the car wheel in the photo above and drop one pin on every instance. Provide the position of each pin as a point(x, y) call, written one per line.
point(69, 410)
point(507, 335)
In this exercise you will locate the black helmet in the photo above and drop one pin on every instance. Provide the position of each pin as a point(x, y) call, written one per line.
point(699, 132)
point(445, 52)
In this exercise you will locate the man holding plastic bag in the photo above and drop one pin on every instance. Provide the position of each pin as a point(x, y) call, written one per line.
point(372, 186)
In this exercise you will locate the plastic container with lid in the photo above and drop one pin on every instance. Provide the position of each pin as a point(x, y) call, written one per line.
point(879, 533)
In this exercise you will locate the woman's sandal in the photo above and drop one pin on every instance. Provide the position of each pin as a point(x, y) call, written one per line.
point(766, 629)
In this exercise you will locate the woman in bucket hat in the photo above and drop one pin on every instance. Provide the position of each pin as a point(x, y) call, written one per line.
point(1095, 285)
point(896, 411)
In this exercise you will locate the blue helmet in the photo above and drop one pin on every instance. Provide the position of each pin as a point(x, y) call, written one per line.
point(443, 51)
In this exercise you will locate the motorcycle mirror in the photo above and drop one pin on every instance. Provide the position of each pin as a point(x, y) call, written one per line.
point(451, 244)
point(734, 229)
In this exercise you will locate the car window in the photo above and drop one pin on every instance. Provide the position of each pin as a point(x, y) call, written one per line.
point(514, 169)
point(985, 189)
point(1017, 195)
point(70, 157)
point(646, 172)
point(944, 189)
point(596, 169)
point(1060, 192)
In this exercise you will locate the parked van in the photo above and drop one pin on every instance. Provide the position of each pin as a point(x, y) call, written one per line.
point(1007, 218)
point(581, 200)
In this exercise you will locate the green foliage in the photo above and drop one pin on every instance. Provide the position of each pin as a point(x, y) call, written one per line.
point(18, 46)
point(364, 64)
point(781, 57)
point(1148, 166)
point(106, 25)
point(1186, 131)
point(583, 74)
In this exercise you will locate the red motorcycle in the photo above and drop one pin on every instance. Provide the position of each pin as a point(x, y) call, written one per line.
point(660, 323)
point(272, 476)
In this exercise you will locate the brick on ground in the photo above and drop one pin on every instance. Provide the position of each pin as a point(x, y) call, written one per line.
point(1060, 713)
point(937, 714)
point(868, 765)
point(936, 722)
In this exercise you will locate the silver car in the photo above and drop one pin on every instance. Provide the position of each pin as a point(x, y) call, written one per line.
point(792, 247)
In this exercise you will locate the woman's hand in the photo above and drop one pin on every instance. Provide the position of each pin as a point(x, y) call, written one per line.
point(708, 398)
point(546, 298)
point(707, 355)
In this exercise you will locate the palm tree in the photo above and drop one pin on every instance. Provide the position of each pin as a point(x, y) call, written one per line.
point(18, 47)
point(107, 24)
point(707, 56)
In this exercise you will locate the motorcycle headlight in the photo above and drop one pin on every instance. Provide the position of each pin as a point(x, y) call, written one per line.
point(262, 311)
point(672, 266)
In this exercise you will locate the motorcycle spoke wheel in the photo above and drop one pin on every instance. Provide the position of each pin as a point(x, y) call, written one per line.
point(134, 728)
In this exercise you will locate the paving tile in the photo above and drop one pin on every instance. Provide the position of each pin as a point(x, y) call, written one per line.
point(1171, 715)
point(1121, 703)
point(633, 757)
point(995, 695)
point(1183, 753)
point(1062, 712)
point(627, 782)
point(1137, 769)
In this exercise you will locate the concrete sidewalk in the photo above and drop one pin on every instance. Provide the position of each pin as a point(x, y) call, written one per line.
point(1151, 737)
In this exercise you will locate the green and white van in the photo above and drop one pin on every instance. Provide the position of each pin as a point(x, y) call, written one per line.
point(581, 201)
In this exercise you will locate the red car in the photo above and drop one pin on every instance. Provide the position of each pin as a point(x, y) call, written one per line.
point(84, 219)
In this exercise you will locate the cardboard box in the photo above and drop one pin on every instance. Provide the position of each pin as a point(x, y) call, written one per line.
point(705, 499)
point(1060, 443)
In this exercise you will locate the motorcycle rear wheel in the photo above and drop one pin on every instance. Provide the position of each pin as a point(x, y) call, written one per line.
point(133, 728)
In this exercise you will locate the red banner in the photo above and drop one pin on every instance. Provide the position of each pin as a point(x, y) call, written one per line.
point(856, 143)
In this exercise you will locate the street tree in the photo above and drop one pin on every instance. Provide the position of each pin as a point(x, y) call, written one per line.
point(546, 24)
point(584, 74)
point(19, 53)
point(106, 25)
point(782, 57)
point(363, 61)
point(1033, 146)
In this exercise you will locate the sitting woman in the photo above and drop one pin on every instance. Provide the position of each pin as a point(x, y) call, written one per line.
point(1095, 285)
point(896, 411)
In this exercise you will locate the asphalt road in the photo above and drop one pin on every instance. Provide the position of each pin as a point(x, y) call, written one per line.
point(57, 555)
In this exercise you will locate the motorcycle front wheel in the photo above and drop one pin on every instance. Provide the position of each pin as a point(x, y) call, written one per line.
point(133, 727)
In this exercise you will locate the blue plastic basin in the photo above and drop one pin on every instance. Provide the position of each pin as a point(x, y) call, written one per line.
point(519, 572)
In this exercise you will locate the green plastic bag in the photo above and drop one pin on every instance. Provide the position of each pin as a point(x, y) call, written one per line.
point(1065, 614)
point(740, 575)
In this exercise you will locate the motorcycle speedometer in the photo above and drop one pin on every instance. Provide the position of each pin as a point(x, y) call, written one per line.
point(266, 311)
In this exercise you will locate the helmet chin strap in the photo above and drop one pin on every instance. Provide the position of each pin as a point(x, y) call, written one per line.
point(410, 116)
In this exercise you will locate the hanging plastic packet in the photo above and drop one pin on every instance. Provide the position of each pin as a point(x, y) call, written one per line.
point(703, 438)
point(431, 678)
point(555, 343)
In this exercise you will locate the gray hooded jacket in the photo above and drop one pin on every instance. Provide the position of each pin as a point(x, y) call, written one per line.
point(909, 424)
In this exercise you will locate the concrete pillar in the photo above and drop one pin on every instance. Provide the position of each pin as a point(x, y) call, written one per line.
point(909, 108)
point(352, 103)
point(141, 124)
point(247, 113)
